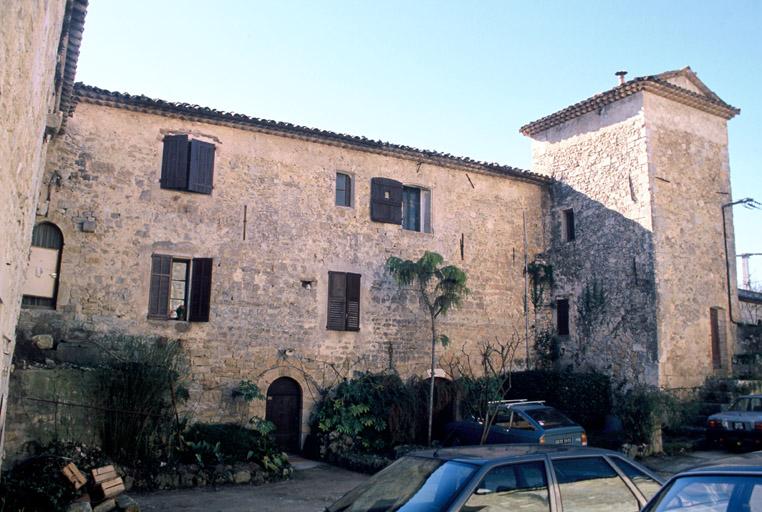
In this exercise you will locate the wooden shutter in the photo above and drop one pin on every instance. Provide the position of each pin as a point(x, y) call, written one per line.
point(174, 162)
point(386, 200)
point(201, 173)
point(201, 290)
point(337, 301)
point(353, 302)
point(158, 295)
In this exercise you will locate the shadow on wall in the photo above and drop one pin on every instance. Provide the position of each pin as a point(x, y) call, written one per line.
point(604, 274)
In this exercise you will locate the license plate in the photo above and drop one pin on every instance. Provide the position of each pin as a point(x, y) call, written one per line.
point(565, 440)
point(738, 425)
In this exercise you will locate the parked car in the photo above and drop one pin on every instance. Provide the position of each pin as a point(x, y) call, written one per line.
point(518, 421)
point(740, 425)
point(733, 484)
point(497, 478)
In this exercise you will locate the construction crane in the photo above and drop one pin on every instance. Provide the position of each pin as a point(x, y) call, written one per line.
point(746, 280)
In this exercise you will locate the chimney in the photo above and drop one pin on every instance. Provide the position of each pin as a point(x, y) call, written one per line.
point(621, 75)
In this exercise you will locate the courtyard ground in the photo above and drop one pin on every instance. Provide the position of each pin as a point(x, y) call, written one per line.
point(316, 485)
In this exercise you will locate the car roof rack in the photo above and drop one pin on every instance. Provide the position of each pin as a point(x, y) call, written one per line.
point(510, 403)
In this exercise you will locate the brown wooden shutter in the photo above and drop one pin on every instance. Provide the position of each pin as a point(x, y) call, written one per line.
point(385, 200)
point(353, 302)
point(201, 290)
point(337, 303)
point(158, 294)
point(201, 173)
point(174, 162)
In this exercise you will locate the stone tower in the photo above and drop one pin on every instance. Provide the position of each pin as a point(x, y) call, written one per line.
point(645, 273)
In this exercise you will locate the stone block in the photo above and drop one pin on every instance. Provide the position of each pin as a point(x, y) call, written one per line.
point(241, 476)
point(105, 506)
point(88, 226)
point(81, 353)
point(43, 341)
point(127, 504)
point(80, 506)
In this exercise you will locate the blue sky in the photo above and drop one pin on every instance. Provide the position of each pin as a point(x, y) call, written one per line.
point(459, 77)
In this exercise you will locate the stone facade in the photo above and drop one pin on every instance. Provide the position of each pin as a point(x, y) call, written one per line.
point(646, 176)
point(33, 42)
point(269, 290)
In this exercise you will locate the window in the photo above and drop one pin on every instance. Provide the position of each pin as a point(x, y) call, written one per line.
point(645, 484)
point(187, 165)
point(41, 286)
point(343, 301)
point(590, 483)
point(512, 487)
point(416, 209)
point(568, 225)
point(343, 189)
point(394, 203)
point(180, 288)
point(717, 319)
point(562, 317)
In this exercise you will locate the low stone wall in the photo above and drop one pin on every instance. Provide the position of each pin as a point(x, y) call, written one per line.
point(47, 404)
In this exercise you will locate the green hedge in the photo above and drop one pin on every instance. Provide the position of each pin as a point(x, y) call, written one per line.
point(584, 397)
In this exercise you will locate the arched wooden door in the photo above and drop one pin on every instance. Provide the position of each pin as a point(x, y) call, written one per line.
point(41, 286)
point(284, 409)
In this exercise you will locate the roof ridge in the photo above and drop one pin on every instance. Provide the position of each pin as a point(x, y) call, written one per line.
point(657, 84)
point(97, 95)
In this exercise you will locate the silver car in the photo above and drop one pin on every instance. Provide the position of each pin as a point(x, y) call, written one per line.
point(740, 425)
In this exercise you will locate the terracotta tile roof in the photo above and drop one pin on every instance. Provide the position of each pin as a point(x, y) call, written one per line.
point(71, 39)
point(89, 94)
point(657, 84)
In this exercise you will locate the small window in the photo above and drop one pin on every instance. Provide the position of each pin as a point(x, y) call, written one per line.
point(343, 301)
point(587, 480)
point(386, 201)
point(41, 286)
point(717, 319)
point(187, 164)
point(562, 317)
point(568, 225)
point(416, 209)
point(343, 189)
point(512, 487)
point(180, 288)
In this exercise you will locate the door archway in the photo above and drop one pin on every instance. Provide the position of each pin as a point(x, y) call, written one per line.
point(41, 286)
point(284, 410)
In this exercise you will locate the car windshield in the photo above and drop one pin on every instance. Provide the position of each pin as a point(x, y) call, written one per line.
point(711, 493)
point(412, 484)
point(747, 404)
point(549, 418)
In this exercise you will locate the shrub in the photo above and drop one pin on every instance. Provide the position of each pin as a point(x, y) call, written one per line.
point(214, 443)
point(141, 382)
point(644, 409)
point(370, 414)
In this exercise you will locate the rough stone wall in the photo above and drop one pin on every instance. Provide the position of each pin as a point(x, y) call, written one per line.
point(29, 38)
point(110, 160)
point(600, 162)
point(690, 181)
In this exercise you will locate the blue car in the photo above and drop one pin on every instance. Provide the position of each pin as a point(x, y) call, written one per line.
point(518, 421)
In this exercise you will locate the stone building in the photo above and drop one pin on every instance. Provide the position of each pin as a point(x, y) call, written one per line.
point(39, 45)
point(262, 244)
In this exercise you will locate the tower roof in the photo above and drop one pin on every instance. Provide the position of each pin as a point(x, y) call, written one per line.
point(682, 85)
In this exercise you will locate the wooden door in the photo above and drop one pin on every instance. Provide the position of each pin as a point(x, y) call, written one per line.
point(284, 409)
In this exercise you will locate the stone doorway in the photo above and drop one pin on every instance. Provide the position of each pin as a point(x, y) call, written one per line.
point(284, 409)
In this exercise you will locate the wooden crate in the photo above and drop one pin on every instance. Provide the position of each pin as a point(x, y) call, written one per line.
point(74, 475)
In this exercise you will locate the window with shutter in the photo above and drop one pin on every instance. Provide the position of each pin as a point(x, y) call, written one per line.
point(158, 295)
point(386, 201)
point(353, 302)
point(174, 162)
point(201, 171)
point(343, 301)
point(201, 290)
point(568, 225)
point(343, 189)
point(187, 165)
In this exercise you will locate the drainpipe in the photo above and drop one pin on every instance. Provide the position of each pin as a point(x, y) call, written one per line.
point(746, 200)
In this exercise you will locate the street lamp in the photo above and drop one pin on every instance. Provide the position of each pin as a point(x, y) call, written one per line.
point(750, 203)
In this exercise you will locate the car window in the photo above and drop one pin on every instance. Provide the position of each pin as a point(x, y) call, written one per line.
point(512, 487)
point(756, 405)
point(645, 484)
point(711, 493)
point(519, 422)
point(550, 418)
point(411, 484)
point(740, 405)
point(590, 484)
